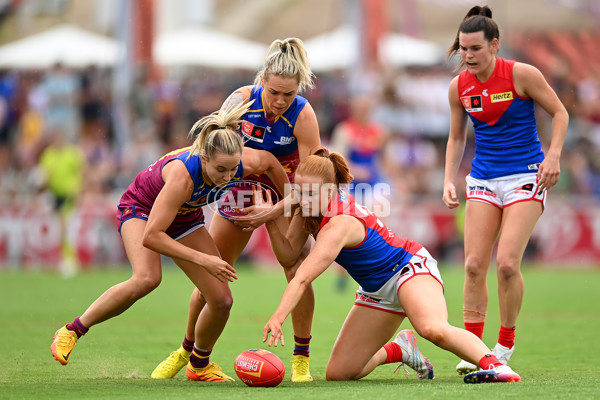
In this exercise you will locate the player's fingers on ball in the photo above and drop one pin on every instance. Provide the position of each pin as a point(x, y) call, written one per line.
point(269, 198)
point(256, 197)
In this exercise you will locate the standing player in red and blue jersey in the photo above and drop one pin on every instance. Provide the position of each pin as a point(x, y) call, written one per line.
point(161, 213)
point(398, 279)
point(510, 175)
point(283, 123)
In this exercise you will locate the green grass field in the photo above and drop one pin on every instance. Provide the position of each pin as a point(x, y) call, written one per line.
point(558, 351)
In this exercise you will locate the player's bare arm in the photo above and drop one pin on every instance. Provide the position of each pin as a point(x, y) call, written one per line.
point(341, 231)
point(236, 98)
point(530, 82)
point(261, 161)
point(177, 190)
point(456, 144)
point(306, 132)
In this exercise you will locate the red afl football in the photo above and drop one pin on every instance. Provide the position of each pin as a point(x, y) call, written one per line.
point(257, 367)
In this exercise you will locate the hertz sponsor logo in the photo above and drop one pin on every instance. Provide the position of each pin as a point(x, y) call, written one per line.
point(496, 97)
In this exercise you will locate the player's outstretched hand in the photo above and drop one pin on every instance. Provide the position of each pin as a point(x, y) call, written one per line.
point(273, 327)
point(258, 213)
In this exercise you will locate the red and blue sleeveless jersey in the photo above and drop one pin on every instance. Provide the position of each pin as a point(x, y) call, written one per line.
point(506, 137)
point(378, 257)
point(142, 192)
point(276, 137)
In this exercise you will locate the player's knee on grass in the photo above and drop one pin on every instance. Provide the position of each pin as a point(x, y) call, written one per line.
point(336, 375)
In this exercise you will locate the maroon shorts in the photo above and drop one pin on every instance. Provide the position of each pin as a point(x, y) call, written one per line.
point(181, 226)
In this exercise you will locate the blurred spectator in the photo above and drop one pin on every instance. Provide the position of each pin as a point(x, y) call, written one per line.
point(93, 103)
point(60, 92)
point(144, 149)
point(588, 90)
point(360, 140)
point(8, 84)
point(63, 166)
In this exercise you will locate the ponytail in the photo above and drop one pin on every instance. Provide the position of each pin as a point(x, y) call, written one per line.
point(217, 132)
point(287, 58)
point(478, 19)
point(332, 168)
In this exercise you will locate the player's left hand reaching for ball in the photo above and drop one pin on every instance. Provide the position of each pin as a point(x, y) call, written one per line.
point(548, 172)
point(274, 327)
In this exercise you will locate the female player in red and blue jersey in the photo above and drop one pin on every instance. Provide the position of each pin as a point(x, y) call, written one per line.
point(160, 213)
point(510, 175)
point(398, 279)
point(283, 123)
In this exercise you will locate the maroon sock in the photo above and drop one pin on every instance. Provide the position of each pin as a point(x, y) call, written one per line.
point(489, 361)
point(475, 328)
point(200, 358)
point(394, 353)
point(506, 337)
point(77, 327)
point(188, 345)
point(302, 346)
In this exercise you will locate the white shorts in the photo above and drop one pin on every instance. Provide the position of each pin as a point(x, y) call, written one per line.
point(502, 192)
point(386, 298)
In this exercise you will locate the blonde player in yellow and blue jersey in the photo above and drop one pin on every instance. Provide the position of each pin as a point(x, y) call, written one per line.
point(283, 123)
point(510, 175)
point(161, 213)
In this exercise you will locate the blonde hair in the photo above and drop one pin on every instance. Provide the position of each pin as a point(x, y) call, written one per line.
point(287, 58)
point(217, 132)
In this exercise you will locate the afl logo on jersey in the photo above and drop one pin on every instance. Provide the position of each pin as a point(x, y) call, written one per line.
point(472, 103)
point(253, 132)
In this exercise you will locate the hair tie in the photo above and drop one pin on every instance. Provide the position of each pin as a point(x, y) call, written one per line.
point(283, 47)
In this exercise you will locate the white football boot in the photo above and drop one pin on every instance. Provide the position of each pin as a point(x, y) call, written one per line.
point(503, 354)
point(465, 367)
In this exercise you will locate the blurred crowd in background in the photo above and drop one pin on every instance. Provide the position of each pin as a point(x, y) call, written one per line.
point(62, 107)
point(59, 150)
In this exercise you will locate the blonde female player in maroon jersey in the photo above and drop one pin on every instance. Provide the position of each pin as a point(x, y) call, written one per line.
point(510, 175)
point(161, 213)
point(398, 279)
point(283, 123)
